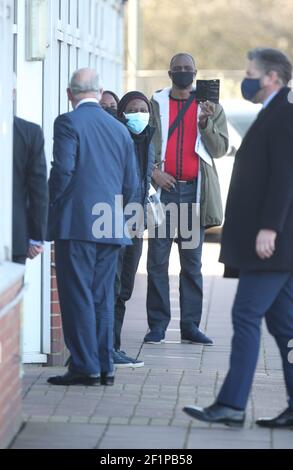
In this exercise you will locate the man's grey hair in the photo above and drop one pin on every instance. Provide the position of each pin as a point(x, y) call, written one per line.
point(272, 60)
point(82, 82)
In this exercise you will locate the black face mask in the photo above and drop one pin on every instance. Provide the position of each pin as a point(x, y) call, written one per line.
point(111, 111)
point(182, 79)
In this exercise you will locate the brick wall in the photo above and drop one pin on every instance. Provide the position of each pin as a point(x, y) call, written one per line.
point(10, 380)
point(59, 352)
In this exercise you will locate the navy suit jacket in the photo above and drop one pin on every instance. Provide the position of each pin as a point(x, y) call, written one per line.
point(94, 161)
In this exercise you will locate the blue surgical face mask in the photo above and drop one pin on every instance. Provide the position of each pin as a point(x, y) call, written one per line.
point(137, 122)
point(250, 87)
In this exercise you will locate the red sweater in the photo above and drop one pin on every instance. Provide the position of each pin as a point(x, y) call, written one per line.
point(182, 161)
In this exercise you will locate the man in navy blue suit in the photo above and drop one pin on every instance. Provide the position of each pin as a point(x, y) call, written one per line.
point(93, 167)
point(257, 240)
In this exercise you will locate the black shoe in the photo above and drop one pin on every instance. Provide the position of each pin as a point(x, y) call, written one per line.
point(68, 362)
point(71, 378)
point(107, 379)
point(217, 414)
point(196, 337)
point(284, 420)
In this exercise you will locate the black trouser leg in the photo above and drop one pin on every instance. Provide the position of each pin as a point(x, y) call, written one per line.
point(127, 267)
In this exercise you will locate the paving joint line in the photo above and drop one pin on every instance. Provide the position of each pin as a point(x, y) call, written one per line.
point(140, 395)
point(31, 385)
point(177, 397)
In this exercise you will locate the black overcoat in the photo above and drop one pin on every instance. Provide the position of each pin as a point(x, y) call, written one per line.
point(30, 188)
point(261, 191)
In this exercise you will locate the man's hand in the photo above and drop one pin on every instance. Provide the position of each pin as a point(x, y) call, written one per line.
point(163, 179)
point(265, 243)
point(34, 251)
point(207, 109)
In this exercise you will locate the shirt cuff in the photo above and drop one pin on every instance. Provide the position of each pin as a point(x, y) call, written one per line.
point(36, 243)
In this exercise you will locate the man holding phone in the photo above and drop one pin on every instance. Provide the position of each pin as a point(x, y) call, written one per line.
point(189, 135)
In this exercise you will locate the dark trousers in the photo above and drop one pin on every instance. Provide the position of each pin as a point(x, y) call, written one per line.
point(85, 273)
point(190, 281)
point(259, 295)
point(19, 259)
point(128, 262)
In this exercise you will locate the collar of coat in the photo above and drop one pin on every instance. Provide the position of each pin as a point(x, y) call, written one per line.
point(283, 96)
point(162, 98)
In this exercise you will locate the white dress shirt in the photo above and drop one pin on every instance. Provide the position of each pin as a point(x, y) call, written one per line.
point(87, 100)
point(269, 99)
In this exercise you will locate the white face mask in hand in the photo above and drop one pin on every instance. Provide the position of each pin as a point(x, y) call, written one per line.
point(137, 122)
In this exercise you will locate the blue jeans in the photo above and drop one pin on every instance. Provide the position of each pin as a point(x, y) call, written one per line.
point(190, 282)
point(259, 295)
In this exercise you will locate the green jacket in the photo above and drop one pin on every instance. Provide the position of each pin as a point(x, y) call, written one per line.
point(215, 141)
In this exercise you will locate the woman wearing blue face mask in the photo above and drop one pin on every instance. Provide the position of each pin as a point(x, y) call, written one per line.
point(134, 111)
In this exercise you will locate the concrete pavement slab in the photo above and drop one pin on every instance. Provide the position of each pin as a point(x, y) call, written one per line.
point(144, 408)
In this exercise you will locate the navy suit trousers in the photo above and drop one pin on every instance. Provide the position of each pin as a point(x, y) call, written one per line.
point(259, 295)
point(85, 276)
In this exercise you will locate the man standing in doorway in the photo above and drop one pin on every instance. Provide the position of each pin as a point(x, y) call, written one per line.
point(184, 172)
point(257, 240)
point(94, 162)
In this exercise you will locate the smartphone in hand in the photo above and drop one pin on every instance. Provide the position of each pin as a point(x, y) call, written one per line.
point(208, 90)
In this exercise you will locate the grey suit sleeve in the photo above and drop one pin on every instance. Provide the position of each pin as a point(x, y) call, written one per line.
point(65, 152)
point(130, 181)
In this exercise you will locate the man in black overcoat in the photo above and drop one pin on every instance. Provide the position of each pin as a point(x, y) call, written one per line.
point(30, 191)
point(258, 239)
